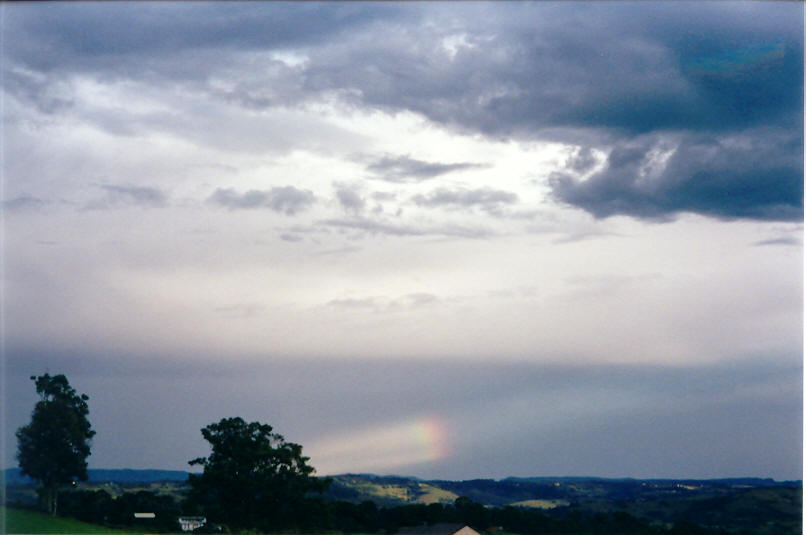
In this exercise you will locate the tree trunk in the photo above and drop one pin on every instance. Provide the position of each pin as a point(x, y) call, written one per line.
point(50, 497)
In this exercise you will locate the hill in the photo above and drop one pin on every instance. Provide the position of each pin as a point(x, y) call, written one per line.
point(398, 490)
point(753, 505)
point(123, 475)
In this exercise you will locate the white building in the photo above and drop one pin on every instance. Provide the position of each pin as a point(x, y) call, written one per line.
point(440, 529)
point(189, 523)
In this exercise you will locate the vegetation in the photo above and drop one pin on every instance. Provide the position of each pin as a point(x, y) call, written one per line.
point(709, 508)
point(27, 521)
point(54, 447)
point(253, 478)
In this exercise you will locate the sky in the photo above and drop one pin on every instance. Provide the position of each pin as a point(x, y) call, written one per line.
point(446, 240)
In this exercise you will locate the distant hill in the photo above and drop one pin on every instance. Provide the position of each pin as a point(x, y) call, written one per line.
point(729, 481)
point(538, 491)
point(751, 505)
point(404, 489)
point(122, 475)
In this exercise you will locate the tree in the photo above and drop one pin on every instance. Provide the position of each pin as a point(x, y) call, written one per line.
point(253, 478)
point(54, 447)
point(471, 513)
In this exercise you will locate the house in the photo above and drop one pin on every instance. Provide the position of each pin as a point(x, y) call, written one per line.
point(440, 529)
point(189, 523)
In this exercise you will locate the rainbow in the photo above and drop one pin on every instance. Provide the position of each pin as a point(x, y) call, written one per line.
point(432, 434)
point(382, 448)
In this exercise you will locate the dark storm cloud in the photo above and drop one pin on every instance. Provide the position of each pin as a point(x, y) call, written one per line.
point(400, 169)
point(117, 195)
point(287, 200)
point(721, 70)
point(581, 161)
point(756, 175)
point(602, 75)
point(519, 74)
point(97, 36)
point(488, 199)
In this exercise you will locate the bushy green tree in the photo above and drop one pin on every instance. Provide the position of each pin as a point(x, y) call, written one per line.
point(253, 478)
point(54, 447)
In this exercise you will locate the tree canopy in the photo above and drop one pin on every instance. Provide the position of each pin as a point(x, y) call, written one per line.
point(252, 478)
point(54, 447)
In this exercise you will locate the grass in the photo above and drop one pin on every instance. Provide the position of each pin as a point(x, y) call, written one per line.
point(432, 494)
point(32, 522)
point(396, 492)
point(540, 504)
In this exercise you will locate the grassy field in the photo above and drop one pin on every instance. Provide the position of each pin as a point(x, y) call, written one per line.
point(432, 494)
point(31, 522)
point(540, 504)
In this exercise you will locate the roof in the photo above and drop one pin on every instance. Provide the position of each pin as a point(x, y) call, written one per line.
point(439, 529)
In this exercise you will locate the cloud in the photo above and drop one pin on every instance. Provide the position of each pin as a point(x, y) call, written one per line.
point(497, 70)
point(400, 169)
point(290, 237)
point(384, 196)
point(754, 175)
point(37, 89)
point(488, 199)
point(23, 202)
point(522, 76)
point(782, 240)
point(99, 37)
point(349, 199)
point(287, 199)
point(374, 227)
point(513, 75)
point(117, 195)
point(386, 304)
point(582, 160)
point(418, 299)
point(731, 73)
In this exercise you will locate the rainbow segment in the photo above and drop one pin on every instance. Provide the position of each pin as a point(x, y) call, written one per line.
point(432, 433)
point(382, 448)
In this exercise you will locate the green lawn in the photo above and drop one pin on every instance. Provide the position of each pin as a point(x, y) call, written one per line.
point(25, 521)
